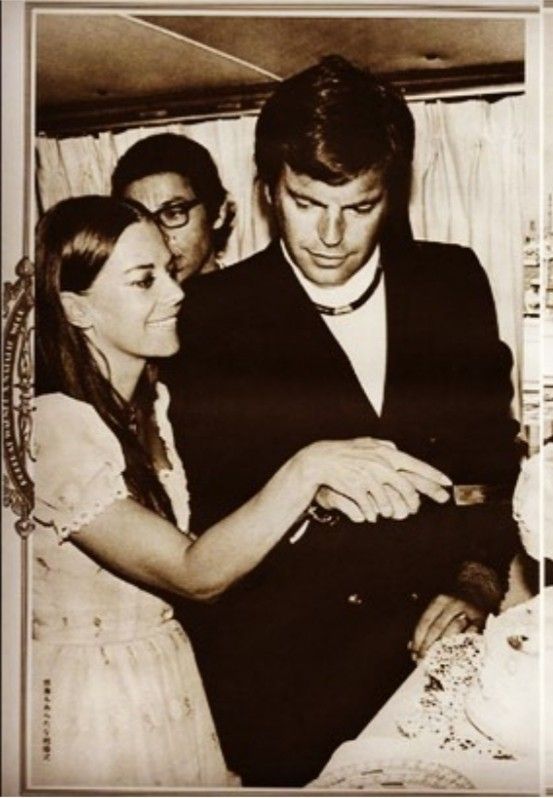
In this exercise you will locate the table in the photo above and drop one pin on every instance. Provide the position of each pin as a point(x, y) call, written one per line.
point(383, 759)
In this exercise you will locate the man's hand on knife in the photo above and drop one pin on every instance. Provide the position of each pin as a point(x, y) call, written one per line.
point(445, 616)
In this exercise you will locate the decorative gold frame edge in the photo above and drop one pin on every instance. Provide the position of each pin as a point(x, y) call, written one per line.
point(17, 395)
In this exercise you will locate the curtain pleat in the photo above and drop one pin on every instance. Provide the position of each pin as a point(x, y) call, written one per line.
point(468, 188)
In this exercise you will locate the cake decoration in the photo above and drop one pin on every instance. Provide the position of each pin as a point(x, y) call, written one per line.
point(481, 693)
point(449, 671)
point(535, 479)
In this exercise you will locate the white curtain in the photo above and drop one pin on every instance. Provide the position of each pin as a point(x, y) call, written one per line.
point(468, 185)
point(83, 165)
point(469, 188)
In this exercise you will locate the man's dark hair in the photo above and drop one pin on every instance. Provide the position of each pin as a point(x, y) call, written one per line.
point(170, 152)
point(332, 122)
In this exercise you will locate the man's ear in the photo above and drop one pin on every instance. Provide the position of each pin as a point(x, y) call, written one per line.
point(267, 194)
point(76, 309)
point(228, 207)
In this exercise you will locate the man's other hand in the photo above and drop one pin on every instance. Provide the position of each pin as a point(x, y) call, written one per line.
point(445, 616)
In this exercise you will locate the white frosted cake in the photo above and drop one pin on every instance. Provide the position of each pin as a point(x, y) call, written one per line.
point(526, 503)
point(504, 701)
point(481, 693)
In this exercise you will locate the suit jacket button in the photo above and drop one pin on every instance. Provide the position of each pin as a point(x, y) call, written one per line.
point(355, 598)
point(414, 596)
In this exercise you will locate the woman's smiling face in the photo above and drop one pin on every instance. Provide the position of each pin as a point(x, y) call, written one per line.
point(131, 307)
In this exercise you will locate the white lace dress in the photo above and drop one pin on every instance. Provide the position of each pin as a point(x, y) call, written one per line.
point(116, 697)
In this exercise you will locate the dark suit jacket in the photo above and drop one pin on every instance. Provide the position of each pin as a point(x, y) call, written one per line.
point(299, 655)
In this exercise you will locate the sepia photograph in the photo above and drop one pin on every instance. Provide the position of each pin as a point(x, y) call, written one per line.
point(277, 398)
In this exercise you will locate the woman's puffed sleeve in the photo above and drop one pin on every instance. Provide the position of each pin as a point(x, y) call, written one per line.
point(78, 464)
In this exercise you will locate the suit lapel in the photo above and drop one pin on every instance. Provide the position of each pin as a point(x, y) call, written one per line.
point(403, 346)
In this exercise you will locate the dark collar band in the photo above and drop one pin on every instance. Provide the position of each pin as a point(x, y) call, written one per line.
point(357, 303)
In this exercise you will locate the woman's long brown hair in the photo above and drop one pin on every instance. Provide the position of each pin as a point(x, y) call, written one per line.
point(74, 239)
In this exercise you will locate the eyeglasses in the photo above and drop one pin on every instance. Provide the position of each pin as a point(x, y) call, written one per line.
point(175, 214)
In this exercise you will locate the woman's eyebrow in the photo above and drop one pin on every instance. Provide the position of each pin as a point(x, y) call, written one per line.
point(142, 266)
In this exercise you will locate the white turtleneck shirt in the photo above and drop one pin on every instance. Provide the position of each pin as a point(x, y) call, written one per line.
point(362, 332)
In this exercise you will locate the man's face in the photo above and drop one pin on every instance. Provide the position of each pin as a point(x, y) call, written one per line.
point(330, 231)
point(190, 244)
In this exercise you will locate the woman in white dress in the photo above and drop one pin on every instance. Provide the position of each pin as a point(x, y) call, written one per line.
point(117, 701)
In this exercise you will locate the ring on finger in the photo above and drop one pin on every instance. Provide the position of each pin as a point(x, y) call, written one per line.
point(462, 616)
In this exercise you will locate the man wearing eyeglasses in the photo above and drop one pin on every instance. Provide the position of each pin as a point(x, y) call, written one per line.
point(176, 180)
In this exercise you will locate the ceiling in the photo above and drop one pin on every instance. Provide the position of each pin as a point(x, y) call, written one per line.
point(104, 69)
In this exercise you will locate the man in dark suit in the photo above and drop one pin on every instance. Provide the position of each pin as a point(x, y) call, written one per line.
point(344, 326)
